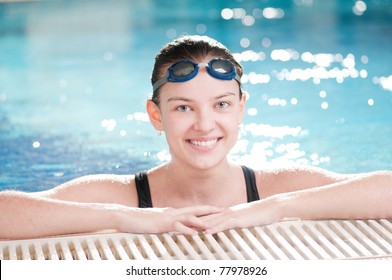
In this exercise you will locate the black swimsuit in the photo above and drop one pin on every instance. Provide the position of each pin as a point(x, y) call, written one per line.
point(144, 195)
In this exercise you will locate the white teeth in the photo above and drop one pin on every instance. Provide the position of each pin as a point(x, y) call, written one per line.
point(204, 143)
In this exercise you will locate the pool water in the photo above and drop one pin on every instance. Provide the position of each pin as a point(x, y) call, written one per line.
point(74, 78)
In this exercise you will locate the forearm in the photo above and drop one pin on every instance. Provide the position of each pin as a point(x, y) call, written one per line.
point(26, 216)
point(365, 197)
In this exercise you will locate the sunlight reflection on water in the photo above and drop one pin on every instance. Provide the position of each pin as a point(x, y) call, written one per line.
point(73, 88)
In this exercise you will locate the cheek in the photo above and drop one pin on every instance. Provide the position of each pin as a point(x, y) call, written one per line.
point(234, 130)
point(231, 126)
point(173, 125)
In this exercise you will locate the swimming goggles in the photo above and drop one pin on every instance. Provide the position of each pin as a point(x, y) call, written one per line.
point(186, 70)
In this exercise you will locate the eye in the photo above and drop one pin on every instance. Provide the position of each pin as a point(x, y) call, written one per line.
point(223, 105)
point(183, 108)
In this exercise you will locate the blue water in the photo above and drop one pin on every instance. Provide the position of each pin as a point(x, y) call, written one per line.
point(74, 77)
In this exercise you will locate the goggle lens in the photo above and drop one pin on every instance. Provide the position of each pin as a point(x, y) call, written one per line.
point(182, 69)
point(222, 66)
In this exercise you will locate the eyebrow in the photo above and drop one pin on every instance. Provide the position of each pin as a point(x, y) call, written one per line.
point(181, 98)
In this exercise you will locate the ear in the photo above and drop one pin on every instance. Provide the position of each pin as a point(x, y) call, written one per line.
point(242, 106)
point(154, 113)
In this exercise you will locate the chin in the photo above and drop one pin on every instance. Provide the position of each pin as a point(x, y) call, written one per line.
point(205, 165)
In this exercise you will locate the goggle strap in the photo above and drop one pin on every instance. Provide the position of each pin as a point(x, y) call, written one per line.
point(160, 82)
point(237, 78)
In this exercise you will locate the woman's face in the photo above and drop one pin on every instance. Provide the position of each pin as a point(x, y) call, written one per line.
point(201, 118)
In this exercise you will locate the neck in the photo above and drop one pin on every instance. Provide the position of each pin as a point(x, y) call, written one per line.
point(200, 186)
point(197, 175)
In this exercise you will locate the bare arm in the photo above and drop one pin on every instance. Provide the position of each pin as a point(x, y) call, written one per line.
point(366, 196)
point(101, 188)
point(28, 216)
point(296, 177)
point(90, 204)
point(85, 204)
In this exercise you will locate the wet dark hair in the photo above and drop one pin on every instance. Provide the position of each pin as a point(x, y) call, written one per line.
point(193, 48)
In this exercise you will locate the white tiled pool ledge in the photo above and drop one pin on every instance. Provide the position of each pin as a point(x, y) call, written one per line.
point(294, 240)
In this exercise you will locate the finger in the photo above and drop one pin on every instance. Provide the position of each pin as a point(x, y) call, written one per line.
point(183, 229)
point(195, 222)
point(201, 210)
point(215, 218)
point(229, 224)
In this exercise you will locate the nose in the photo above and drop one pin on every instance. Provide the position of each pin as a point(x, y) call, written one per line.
point(205, 121)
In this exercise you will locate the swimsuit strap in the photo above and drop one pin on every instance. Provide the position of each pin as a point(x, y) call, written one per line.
point(250, 181)
point(144, 195)
point(143, 190)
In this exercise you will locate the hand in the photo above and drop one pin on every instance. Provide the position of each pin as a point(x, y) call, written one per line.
point(159, 220)
point(244, 215)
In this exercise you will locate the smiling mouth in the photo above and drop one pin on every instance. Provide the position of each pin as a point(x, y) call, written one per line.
point(203, 143)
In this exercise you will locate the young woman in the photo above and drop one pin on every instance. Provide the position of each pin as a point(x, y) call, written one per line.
point(198, 103)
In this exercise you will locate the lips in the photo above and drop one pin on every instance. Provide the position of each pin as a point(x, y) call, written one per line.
point(204, 143)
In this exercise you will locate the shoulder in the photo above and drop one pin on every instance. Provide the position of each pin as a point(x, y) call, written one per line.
point(100, 188)
point(280, 179)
